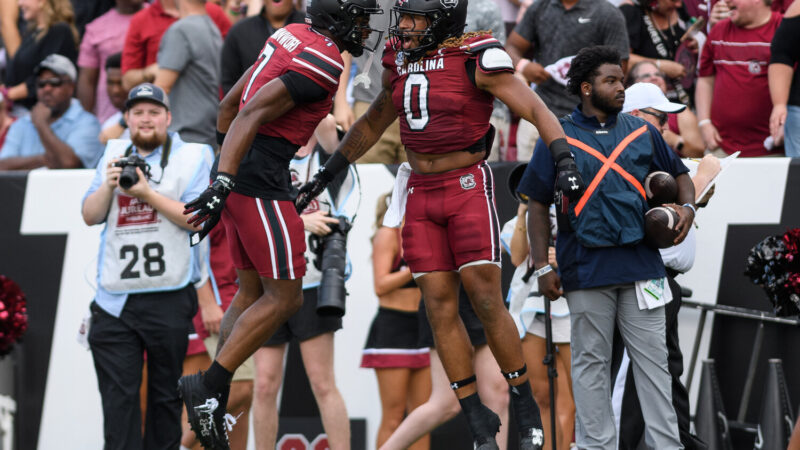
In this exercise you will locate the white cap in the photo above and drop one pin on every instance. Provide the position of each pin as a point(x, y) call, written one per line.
point(648, 95)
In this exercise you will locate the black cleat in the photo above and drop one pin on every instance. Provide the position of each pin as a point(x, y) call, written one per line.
point(485, 443)
point(484, 425)
point(531, 439)
point(206, 412)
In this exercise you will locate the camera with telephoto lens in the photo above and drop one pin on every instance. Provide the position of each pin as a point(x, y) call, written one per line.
point(331, 260)
point(129, 177)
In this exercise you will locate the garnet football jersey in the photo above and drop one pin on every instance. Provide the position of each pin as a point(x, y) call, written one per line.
point(296, 48)
point(439, 107)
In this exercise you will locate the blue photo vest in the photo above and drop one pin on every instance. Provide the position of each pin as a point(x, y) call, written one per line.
point(614, 162)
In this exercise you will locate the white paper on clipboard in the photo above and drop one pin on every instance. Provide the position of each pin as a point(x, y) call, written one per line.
point(723, 163)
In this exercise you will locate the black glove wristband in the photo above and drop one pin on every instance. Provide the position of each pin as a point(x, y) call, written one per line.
point(560, 150)
point(220, 137)
point(225, 181)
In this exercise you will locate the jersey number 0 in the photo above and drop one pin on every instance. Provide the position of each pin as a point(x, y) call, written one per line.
point(415, 101)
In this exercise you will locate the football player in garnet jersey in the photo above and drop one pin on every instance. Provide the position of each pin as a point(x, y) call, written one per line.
point(270, 112)
point(441, 83)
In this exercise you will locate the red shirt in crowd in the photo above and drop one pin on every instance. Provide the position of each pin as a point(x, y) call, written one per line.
point(740, 107)
point(147, 27)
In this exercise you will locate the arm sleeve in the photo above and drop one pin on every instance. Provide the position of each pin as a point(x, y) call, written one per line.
point(303, 89)
point(705, 67)
point(174, 50)
point(133, 51)
point(539, 178)
point(783, 49)
point(526, 27)
point(13, 142)
point(615, 33)
point(231, 62)
point(83, 140)
point(633, 23)
point(88, 55)
point(663, 157)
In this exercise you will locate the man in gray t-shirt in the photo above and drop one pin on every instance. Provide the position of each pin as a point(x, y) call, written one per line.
point(554, 29)
point(189, 71)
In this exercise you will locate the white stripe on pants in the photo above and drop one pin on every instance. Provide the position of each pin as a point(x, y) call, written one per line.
point(594, 313)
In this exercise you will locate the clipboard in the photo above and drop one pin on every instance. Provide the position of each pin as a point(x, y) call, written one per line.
point(723, 164)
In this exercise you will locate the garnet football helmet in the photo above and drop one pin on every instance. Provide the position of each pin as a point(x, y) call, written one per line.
point(346, 20)
point(446, 19)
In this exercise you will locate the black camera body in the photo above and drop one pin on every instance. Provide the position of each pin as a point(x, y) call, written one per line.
point(331, 260)
point(129, 177)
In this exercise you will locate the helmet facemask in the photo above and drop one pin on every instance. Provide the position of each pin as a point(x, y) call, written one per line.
point(349, 22)
point(426, 37)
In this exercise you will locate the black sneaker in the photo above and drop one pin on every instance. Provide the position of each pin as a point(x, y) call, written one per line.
point(531, 439)
point(206, 412)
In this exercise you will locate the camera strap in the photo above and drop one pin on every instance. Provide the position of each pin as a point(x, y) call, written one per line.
point(165, 149)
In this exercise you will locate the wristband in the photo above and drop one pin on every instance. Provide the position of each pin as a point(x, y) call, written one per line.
point(692, 207)
point(220, 137)
point(542, 271)
point(521, 64)
point(226, 180)
point(703, 122)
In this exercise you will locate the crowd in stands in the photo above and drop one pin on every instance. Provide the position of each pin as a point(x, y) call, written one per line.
point(68, 66)
point(738, 78)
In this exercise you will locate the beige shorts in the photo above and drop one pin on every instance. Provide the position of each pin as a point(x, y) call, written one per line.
point(245, 372)
point(389, 149)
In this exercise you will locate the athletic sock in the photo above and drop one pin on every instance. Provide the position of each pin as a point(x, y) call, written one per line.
point(483, 423)
point(525, 408)
point(217, 378)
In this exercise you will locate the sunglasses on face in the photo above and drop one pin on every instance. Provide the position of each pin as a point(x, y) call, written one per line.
point(662, 116)
point(54, 82)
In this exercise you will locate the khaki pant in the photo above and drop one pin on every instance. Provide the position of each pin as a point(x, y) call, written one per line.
point(389, 149)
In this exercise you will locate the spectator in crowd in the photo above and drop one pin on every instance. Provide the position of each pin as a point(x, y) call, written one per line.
point(784, 83)
point(655, 29)
point(647, 101)
point(732, 95)
point(543, 30)
point(527, 308)
point(131, 313)
point(682, 134)
point(104, 37)
point(87, 11)
point(212, 304)
point(402, 365)
point(602, 261)
point(140, 52)
point(246, 38)
point(6, 119)
point(313, 331)
point(50, 29)
point(58, 134)
point(188, 71)
point(509, 11)
point(721, 9)
point(9, 26)
point(114, 127)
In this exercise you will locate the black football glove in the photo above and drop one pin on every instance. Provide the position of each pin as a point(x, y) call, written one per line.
point(568, 179)
point(207, 208)
point(312, 189)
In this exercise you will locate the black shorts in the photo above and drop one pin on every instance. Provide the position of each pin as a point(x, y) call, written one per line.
point(471, 322)
point(305, 323)
point(393, 341)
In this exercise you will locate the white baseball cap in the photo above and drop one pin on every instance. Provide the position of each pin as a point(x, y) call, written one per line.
point(648, 95)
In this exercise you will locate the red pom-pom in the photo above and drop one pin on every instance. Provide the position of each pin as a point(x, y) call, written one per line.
point(13, 315)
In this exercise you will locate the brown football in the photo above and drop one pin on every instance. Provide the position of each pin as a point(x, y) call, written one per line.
point(660, 188)
point(659, 226)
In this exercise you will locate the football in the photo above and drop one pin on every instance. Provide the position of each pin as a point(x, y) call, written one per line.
point(659, 226)
point(660, 188)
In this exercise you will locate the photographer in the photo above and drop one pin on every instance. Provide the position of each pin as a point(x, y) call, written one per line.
point(314, 331)
point(145, 296)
